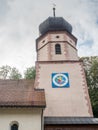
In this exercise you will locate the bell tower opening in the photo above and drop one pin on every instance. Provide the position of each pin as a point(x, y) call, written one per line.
point(57, 49)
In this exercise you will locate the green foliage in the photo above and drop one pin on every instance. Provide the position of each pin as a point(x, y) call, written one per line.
point(6, 72)
point(30, 73)
point(92, 81)
point(94, 100)
point(15, 74)
point(93, 75)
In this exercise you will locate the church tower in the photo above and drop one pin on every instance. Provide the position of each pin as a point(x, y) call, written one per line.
point(60, 72)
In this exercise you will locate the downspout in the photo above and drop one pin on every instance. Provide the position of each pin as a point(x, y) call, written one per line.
point(42, 120)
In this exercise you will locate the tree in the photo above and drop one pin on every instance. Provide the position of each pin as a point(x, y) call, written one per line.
point(92, 81)
point(14, 74)
point(4, 72)
point(30, 73)
point(93, 86)
point(93, 75)
point(7, 72)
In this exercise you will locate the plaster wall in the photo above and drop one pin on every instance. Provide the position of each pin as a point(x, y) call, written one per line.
point(73, 101)
point(63, 36)
point(71, 53)
point(52, 36)
point(46, 47)
point(67, 52)
point(28, 119)
point(43, 53)
point(43, 41)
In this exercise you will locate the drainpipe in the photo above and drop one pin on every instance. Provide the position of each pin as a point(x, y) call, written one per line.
point(42, 120)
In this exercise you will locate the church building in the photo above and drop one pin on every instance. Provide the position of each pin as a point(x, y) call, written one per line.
point(60, 72)
point(58, 99)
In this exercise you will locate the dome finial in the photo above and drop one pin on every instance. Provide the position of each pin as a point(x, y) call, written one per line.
point(54, 5)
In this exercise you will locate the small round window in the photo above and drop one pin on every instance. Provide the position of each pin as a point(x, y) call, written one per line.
point(57, 36)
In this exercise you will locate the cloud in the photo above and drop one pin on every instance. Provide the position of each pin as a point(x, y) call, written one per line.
point(4, 7)
point(85, 27)
point(19, 20)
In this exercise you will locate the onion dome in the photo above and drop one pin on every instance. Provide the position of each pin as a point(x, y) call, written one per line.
point(55, 24)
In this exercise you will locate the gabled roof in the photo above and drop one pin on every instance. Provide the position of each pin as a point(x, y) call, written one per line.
point(20, 93)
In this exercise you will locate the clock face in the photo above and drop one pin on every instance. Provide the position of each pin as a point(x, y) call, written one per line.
point(60, 80)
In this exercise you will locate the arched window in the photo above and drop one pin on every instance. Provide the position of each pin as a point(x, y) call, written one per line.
point(14, 127)
point(57, 49)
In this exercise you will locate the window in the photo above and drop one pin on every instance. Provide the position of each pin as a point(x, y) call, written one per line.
point(57, 49)
point(14, 127)
point(57, 36)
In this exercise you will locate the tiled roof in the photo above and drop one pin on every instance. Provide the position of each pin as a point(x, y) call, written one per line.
point(70, 120)
point(20, 93)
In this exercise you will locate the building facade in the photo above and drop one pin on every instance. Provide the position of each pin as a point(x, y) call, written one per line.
point(21, 106)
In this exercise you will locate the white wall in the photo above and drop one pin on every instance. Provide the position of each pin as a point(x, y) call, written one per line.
point(28, 118)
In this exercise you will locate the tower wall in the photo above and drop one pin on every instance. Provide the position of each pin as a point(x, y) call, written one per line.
point(59, 71)
point(63, 102)
point(46, 47)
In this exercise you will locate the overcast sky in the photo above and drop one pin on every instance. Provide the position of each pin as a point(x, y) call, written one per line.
point(19, 21)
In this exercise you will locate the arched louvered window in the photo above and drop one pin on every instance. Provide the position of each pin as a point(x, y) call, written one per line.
point(14, 127)
point(57, 49)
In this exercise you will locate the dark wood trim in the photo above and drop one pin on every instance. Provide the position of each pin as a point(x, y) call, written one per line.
point(71, 127)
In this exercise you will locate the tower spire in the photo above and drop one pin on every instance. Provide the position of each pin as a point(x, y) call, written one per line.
point(54, 5)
